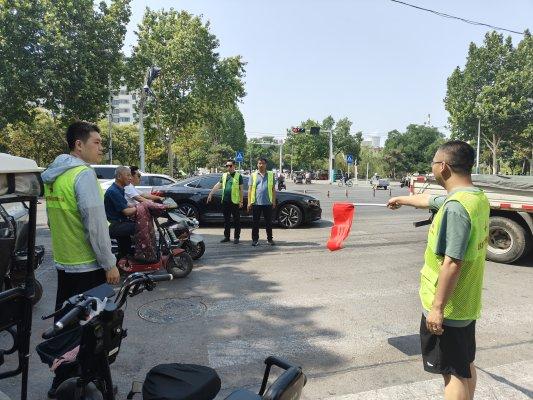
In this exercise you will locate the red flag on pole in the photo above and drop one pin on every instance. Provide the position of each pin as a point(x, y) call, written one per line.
point(342, 223)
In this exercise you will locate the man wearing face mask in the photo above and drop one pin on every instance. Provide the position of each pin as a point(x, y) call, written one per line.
point(452, 276)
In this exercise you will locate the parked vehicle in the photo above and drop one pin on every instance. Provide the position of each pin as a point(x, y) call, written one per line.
point(20, 182)
point(511, 212)
point(148, 182)
point(172, 256)
point(379, 183)
point(180, 230)
point(88, 375)
point(292, 209)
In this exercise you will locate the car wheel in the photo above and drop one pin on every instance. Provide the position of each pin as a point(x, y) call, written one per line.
point(189, 210)
point(290, 216)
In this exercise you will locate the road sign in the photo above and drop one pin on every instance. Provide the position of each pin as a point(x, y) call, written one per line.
point(349, 159)
point(239, 157)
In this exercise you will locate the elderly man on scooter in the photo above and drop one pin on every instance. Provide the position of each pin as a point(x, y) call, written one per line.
point(118, 212)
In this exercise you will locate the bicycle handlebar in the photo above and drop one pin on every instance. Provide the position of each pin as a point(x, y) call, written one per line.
point(132, 285)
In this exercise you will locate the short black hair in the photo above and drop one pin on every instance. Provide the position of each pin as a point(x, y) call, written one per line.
point(262, 159)
point(80, 130)
point(460, 156)
point(231, 161)
point(133, 169)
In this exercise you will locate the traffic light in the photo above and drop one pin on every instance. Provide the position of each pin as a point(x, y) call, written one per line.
point(315, 130)
point(153, 73)
point(298, 130)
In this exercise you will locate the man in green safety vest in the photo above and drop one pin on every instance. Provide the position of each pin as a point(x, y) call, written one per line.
point(452, 276)
point(232, 198)
point(81, 246)
point(262, 199)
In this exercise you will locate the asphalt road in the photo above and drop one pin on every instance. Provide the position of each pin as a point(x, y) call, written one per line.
point(350, 318)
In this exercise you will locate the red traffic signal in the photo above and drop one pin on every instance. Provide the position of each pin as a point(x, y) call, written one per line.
point(298, 130)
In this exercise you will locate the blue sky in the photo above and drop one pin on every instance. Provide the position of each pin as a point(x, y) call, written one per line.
point(381, 64)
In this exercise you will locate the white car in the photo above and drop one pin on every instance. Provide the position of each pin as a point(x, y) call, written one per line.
point(148, 181)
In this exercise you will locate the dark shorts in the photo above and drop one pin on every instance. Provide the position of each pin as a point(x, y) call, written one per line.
point(450, 353)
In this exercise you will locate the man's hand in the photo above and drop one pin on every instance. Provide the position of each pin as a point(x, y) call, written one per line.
point(240, 204)
point(394, 203)
point(209, 198)
point(434, 321)
point(249, 207)
point(274, 204)
point(113, 276)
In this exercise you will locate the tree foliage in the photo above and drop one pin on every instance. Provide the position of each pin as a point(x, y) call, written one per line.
point(40, 137)
point(59, 54)
point(493, 87)
point(410, 151)
point(195, 84)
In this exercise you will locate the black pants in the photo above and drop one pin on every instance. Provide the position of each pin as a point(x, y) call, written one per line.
point(70, 284)
point(256, 216)
point(229, 209)
point(122, 231)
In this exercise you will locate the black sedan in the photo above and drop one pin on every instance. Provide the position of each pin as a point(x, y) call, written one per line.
point(292, 209)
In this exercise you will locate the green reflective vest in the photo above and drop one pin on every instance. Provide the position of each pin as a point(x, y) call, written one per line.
point(465, 301)
point(270, 184)
point(69, 244)
point(235, 187)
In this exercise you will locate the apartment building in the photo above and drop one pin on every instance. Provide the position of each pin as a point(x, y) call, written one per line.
point(123, 106)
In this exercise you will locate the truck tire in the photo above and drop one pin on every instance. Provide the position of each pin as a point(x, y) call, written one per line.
point(507, 240)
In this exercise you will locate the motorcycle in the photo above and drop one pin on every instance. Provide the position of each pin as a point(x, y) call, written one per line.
point(281, 184)
point(87, 376)
point(14, 230)
point(170, 255)
point(180, 231)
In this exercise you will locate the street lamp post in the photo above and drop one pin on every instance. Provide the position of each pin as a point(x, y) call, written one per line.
point(151, 74)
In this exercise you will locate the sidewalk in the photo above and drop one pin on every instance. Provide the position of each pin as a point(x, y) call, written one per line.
point(504, 382)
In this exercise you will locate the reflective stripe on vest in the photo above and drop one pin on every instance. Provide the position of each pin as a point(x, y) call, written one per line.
point(69, 244)
point(465, 301)
point(235, 188)
point(270, 185)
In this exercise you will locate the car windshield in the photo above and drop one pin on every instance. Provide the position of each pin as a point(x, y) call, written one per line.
point(104, 172)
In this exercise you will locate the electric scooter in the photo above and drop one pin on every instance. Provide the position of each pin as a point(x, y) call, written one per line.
point(99, 340)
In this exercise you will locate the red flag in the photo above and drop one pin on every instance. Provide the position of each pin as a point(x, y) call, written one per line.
point(342, 223)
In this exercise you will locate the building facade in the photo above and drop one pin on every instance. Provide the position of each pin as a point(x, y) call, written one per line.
point(123, 106)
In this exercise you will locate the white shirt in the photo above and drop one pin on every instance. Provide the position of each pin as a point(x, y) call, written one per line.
point(129, 193)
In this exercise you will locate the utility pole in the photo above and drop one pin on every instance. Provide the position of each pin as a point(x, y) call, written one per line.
point(478, 141)
point(367, 165)
point(141, 130)
point(292, 155)
point(110, 124)
point(331, 172)
point(281, 156)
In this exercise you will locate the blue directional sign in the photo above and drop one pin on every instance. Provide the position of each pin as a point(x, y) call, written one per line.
point(239, 156)
point(349, 159)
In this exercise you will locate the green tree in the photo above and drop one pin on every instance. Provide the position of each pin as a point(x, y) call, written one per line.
point(195, 85)
point(41, 138)
point(20, 59)
point(411, 151)
point(125, 140)
point(259, 147)
point(493, 88)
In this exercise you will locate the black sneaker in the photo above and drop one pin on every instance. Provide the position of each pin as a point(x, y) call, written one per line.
point(255, 243)
point(271, 242)
point(225, 240)
point(236, 241)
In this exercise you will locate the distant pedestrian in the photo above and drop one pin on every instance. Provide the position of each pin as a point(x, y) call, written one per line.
point(451, 280)
point(262, 200)
point(232, 200)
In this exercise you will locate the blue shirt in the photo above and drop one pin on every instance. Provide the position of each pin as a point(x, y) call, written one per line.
point(261, 190)
point(115, 202)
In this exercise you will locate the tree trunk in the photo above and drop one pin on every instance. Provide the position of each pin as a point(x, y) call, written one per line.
point(531, 163)
point(170, 154)
point(494, 154)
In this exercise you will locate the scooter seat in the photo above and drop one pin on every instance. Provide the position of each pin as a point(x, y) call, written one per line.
point(181, 382)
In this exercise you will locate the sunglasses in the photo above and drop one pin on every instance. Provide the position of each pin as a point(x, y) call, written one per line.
point(229, 165)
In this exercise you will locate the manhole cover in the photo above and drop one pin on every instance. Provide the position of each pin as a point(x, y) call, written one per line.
point(169, 311)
